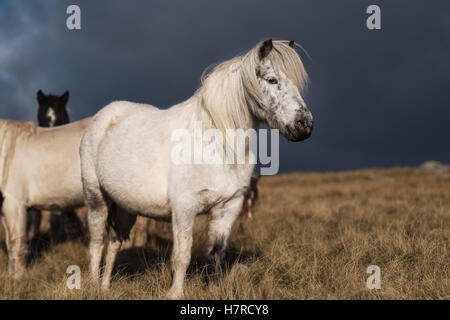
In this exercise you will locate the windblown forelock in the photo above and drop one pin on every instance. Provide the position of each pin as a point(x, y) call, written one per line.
point(286, 59)
point(283, 58)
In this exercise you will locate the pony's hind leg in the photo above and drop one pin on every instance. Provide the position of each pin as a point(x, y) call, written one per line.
point(14, 220)
point(57, 234)
point(219, 229)
point(73, 227)
point(120, 224)
point(7, 236)
point(34, 218)
point(97, 212)
point(113, 247)
point(138, 234)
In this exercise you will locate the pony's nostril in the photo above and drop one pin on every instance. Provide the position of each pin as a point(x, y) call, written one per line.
point(302, 123)
point(305, 123)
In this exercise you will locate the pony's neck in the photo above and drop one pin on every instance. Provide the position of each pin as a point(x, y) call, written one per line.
point(223, 97)
point(227, 145)
point(206, 118)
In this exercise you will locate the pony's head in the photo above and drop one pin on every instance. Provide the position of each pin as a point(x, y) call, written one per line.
point(52, 109)
point(264, 84)
point(274, 78)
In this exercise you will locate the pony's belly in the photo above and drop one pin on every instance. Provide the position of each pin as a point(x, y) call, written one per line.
point(57, 203)
point(152, 208)
point(138, 196)
point(161, 215)
point(53, 191)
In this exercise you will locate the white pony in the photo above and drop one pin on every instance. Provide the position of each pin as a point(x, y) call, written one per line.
point(126, 152)
point(39, 168)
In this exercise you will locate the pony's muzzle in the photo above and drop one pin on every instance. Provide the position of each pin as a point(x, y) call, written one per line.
point(304, 126)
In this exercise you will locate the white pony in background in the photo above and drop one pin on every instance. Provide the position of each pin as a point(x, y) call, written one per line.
point(126, 151)
point(40, 169)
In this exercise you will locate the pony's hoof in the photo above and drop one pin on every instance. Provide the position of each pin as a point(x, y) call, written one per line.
point(17, 273)
point(106, 286)
point(173, 294)
point(241, 267)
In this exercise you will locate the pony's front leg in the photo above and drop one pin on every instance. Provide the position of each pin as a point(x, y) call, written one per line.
point(182, 224)
point(219, 229)
point(15, 219)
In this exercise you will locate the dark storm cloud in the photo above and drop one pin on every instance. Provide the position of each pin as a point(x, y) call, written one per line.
point(380, 98)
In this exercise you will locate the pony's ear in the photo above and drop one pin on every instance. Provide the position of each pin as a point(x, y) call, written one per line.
point(291, 43)
point(65, 97)
point(265, 49)
point(40, 96)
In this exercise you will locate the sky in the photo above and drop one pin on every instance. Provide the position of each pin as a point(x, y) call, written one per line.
point(380, 98)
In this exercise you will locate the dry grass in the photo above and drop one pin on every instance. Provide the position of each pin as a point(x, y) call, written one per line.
point(313, 236)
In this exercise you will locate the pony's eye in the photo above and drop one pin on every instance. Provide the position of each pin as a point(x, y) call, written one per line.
point(272, 81)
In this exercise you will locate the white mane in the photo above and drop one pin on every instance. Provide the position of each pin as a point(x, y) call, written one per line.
point(230, 90)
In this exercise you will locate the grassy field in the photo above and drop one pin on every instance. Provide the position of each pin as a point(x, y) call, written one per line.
point(312, 237)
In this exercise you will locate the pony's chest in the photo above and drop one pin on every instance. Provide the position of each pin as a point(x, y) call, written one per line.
point(208, 185)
